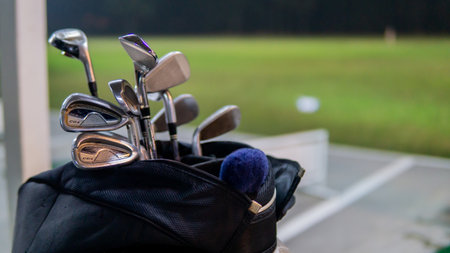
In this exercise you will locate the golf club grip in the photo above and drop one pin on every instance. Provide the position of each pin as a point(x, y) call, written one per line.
point(93, 88)
point(176, 152)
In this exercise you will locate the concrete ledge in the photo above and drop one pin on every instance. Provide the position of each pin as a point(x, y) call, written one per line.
point(309, 149)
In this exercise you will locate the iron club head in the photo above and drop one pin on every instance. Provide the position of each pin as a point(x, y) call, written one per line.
point(84, 113)
point(102, 150)
point(186, 109)
point(172, 69)
point(222, 121)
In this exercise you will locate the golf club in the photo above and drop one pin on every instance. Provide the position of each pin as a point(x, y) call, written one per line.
point(144, 59)
point(171, 70)
point(84, 113)
point(127, 99)
point(222, 121)
point(98, 150)
point(73, 43)
point(186, 109)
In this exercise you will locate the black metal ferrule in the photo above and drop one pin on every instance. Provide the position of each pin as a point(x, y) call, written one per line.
point(93, 88)
point(145, 112)
point(172, 127)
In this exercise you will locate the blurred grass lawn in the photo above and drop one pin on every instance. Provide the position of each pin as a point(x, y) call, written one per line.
point(392, 97)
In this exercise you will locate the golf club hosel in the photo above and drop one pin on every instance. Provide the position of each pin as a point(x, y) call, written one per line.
point(137, 75)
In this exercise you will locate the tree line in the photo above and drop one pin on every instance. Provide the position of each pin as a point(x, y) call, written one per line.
point(250, 16)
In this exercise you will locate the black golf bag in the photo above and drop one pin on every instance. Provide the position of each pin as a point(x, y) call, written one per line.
point(153, 206)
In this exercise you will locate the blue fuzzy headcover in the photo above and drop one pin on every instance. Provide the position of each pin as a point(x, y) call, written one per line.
point(245, 169)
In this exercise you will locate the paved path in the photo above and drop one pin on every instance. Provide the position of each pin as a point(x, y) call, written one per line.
point(410, 212)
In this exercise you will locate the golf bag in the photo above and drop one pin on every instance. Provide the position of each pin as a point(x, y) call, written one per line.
point(156, 205)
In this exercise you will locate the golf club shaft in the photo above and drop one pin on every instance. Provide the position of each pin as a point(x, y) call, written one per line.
point(146, 126)
point(171, 120)
point(90, 75)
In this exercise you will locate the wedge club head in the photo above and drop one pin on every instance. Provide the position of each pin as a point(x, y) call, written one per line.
point(144, 58)
point(222, 121)
point(98, 151)
point(186, 109)
point(73, 43)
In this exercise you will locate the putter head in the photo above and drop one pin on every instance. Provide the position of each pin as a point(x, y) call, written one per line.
point(222, 121)
point(144, 58)
point(186, 109)
point(84, 113)
point(172, 69)
point(98, 150)
point(125, 96)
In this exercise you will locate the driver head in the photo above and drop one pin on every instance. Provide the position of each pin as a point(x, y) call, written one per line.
point(172, 69)
point(222, 121)
point(98, 150)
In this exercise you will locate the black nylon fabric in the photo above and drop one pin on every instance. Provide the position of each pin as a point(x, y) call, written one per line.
point(67, 223)
point(287, 176)
point(150, 205)
point(186, 204)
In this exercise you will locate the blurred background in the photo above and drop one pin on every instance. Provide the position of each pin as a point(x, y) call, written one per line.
point(375, 75)
point(380, 68)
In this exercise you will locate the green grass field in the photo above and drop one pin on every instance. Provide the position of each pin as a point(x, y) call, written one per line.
point(392, 97)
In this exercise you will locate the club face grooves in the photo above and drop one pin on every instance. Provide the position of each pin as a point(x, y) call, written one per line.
point(97, 151)
point(81, 113)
